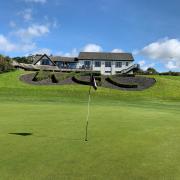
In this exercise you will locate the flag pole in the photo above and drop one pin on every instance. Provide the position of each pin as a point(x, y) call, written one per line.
point(88, 112)
point(89, 100)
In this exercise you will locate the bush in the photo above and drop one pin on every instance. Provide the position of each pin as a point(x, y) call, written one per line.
point(41, 75)
point(53, 78)
point(62, 76)
point(35, 77)
point(149, 71)
point(24, 60)
point(170, 73)
point(5, 64)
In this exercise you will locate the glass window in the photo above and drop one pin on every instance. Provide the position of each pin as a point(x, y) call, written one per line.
point(127, 63)
point(87, 64)
point(97, 63)
point(72, 65)
point(118, 64)
point(46, 62)
point(59, 64)
point(107, 64)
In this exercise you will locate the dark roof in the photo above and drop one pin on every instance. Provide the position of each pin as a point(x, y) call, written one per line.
point(64, 59)
point(105, 56)
point(37, 58)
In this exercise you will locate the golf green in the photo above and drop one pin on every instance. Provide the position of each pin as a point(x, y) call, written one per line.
point(132, 135)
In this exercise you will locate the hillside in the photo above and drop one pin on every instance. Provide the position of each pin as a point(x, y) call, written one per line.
point(167, 88)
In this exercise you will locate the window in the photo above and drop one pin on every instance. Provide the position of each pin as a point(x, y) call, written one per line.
point(107, 64)
point(87, 64)
point(127, 63)
point(118, 64)
point(97, 63)
point(45, 62)
point(59, 64)
point(72, 65)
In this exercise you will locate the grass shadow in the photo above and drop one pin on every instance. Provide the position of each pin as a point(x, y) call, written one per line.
point(21, 134)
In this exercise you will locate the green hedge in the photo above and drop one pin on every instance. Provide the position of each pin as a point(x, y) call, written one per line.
point(75, 79)
point(42, 75)
point(5, 64)
point(54, 78)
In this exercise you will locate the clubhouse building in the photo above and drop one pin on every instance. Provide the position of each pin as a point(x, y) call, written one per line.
point(105, 63)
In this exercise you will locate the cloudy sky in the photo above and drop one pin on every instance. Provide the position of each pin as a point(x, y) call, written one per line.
point(148, 29)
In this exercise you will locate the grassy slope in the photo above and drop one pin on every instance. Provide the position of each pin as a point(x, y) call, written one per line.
point(133, 135)
point(12, 89)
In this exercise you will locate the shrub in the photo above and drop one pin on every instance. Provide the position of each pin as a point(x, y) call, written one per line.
point(35, 77)
point(53, 78)
point(24, 60)
point(63, 76)
point(170, 73)
point(41, 75)
point(5, 64)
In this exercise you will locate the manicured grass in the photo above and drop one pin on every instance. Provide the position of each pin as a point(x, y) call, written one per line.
point(132, 135)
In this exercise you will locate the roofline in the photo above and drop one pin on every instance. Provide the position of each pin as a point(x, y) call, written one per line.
point(45, 55)
point(107, 53)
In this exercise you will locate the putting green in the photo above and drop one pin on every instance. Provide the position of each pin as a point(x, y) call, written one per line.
point(132, 135)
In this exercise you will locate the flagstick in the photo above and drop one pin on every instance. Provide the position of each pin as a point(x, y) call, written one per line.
point(88, 112)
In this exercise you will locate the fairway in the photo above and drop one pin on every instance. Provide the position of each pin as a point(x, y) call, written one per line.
point(132, 135)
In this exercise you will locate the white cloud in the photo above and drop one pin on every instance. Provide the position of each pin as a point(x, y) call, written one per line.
point(117, 51)
point(5, 44)
point(171, 65)
point(163, 49)
point(92, 48)
point(36, 1)
point(87, 48)
point(32, 31)
point(143, 65)
point(73, 53)
point(166, 50)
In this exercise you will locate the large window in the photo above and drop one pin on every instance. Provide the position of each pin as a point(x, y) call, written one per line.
point(59, 64)
point(127, 63)
point(72, 65)
point(45, 62)
point(107, 64)
point(97, 63)
point(118, 64)
point(87, 64)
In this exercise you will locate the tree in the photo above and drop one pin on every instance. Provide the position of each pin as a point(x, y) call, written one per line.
point(151, 70)
point(24, 60)
point(5, 64)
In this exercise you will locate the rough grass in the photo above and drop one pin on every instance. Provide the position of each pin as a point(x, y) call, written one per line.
point(132, 135)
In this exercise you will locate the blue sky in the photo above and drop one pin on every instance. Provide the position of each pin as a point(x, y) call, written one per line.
point(148, 29)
